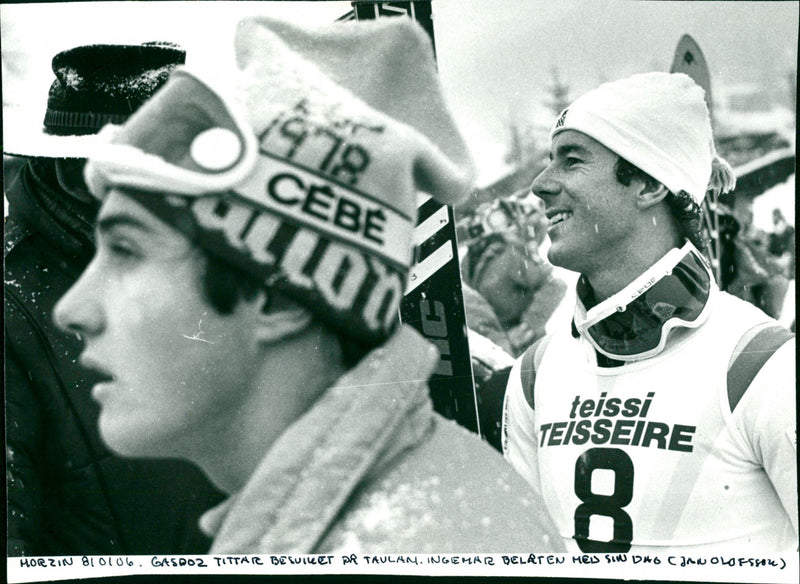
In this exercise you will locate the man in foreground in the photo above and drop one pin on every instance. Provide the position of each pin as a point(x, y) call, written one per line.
point(253, 247)
point(640, 427)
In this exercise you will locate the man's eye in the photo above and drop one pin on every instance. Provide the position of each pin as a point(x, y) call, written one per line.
point(571, 161)
point(122, 249)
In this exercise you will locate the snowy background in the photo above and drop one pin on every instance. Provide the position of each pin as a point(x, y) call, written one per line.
point(505, 65)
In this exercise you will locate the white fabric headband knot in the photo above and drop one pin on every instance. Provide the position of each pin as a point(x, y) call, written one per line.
point(658, 122)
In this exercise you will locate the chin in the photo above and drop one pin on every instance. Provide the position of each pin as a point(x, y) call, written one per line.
point(126, 441)
point(557, 257)
point(562, 256)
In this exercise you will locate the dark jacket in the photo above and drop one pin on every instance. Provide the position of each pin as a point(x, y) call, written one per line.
point(67, 494)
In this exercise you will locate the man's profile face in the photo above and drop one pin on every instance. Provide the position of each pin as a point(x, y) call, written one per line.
point(589, 210)
point(175, 368)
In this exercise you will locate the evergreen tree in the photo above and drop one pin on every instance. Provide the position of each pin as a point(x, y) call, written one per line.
point(559, 92)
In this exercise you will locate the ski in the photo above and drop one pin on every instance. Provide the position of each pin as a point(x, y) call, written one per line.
point(434, 302)
point(689, 59)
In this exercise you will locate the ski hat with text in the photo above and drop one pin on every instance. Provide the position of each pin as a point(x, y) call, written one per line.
point(301, 164)
point(658, 122)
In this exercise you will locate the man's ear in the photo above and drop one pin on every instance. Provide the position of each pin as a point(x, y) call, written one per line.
point(649, 193)
point(278, 320)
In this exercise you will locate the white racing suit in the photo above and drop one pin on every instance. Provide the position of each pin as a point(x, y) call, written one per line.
point(653, 456)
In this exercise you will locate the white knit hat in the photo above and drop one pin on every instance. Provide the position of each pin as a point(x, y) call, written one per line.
point(658, 122)
point(302, 166)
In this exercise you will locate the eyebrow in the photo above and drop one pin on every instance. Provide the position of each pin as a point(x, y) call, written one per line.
point(109, 222)
point(565, 149)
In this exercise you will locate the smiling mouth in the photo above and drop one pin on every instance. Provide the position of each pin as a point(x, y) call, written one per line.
point(559, 217)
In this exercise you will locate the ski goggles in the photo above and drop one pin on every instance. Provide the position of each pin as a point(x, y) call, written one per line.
point(634, 323)
point(508, 218)
point(188, 139)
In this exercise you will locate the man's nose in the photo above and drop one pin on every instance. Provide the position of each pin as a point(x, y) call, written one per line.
point(544, 184)
point(79, 310)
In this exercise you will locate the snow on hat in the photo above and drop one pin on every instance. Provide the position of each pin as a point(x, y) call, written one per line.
point(302, 164)
point(658, 122)
point(94, 85)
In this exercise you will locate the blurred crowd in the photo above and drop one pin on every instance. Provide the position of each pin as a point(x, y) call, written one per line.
point(510, 290)
point(763, 264)
point(511, 293)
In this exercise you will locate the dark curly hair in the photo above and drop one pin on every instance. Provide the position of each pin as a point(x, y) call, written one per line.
point(224, 285)
point(687, 213)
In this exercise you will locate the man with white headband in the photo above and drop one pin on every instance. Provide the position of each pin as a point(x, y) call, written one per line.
point(254, 241)
point(665, 418)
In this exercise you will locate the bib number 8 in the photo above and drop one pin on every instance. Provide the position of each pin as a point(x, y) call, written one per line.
point(611, 506)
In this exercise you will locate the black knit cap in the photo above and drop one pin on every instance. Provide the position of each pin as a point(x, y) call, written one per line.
point(100, 84)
